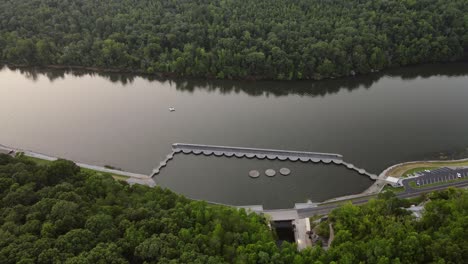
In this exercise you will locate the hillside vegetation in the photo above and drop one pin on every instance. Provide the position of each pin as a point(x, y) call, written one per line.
point(56, 213)
point(274, 39)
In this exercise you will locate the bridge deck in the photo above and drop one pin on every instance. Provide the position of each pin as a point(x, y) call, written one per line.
point(256, 153)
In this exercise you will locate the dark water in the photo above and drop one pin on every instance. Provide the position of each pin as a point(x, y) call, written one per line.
point(226, 180)
point(120, 120)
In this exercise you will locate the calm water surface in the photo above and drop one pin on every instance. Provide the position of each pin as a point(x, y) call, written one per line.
point(120, 120)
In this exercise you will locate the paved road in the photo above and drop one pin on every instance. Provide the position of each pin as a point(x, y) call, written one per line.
point(325, 209)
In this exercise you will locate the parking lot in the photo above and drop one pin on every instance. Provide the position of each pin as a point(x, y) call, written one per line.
point(440, 175)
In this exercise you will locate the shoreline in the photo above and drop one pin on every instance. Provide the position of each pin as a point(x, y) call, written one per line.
point(393, 171)
point(135, 178)
point(207, 77)
point(132, 177)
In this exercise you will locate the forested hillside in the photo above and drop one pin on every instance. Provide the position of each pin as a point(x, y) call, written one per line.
point(56, 213)
point(274, 39)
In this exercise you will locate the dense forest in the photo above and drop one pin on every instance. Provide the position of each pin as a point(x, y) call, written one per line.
point(272, 39)
point(57, 213)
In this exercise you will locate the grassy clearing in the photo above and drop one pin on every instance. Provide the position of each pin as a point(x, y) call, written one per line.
point(405, 169)
point(47, 162)
point(415, 186)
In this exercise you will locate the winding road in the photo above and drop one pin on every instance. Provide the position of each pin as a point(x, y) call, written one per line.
point(408, 193)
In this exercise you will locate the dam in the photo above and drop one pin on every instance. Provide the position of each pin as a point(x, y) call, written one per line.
point(259, 153)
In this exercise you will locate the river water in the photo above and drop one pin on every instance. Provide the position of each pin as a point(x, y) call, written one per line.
point(374, 121)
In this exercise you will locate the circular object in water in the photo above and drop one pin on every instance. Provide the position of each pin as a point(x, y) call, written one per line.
point(285, 171)
point(270, 172)
point(254, 173)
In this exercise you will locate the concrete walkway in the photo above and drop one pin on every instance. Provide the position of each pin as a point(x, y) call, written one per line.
point(332, 235)
point(282, 214)
point(259, 153)
point(134, 178)
point(256, 153)
point(162, 164)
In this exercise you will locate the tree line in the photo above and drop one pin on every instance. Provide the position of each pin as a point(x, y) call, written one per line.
point(57, 213)
point(256, 39)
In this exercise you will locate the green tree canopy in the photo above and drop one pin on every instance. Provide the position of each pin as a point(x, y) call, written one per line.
point(274, 39)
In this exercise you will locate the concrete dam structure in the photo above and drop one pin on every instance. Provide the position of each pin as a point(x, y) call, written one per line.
point(271, 154)
point(257, 153)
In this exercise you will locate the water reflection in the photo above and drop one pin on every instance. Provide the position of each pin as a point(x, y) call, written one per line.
point(261, 88)
point(225, 180)
point(404, 114)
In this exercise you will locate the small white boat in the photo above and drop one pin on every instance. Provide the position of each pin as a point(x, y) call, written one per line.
point(172, 109)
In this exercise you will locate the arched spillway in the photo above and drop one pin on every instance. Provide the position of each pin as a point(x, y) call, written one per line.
point(255, 152)
point(271, 154)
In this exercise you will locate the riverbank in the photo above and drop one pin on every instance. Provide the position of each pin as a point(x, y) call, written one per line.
point(401, 169)
point(40, 158)
point(253, 78)
point(74, 67)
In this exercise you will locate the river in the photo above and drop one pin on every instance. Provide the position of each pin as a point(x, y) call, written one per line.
point(121, 120)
